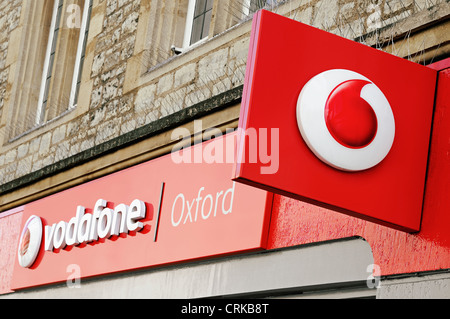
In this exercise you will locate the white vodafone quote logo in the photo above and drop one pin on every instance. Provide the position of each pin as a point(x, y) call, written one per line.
point(30, 241)
point(345, 120)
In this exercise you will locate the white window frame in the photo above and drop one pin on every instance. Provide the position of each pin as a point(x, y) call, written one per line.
point(189, 24)
point(246, 7)
point(46, 63)
point(80, 51)
point(80, 48)
point(247, 4)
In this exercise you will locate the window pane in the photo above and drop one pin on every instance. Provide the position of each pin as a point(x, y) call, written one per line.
point(206, 24)
point(67, 40)
point(58, 17)
point(202, 20)
point(199, 7)
point(55, 36)
point(78, 85)
point(209, 4)
point(41, 116)
point(50, 65)
point(197, 29)
point(47, 87)
point(257, 4)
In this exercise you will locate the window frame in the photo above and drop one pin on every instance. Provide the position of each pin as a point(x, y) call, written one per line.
point(190, 24)
point(251, 6)
point(81, 53)
point(246, 5)
point(81, 48)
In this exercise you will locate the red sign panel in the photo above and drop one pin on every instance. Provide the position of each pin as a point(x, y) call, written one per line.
point(351, 123)
point(155, 213)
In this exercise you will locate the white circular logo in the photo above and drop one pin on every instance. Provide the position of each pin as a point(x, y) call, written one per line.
point(345, 120)
point(30, 242)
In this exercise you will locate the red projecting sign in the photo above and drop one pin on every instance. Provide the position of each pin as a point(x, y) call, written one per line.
point(351, 123)
point(160, 212)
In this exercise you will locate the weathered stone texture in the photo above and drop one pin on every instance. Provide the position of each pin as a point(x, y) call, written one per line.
point(111, 112)
point(9, 20)
point(9, 236)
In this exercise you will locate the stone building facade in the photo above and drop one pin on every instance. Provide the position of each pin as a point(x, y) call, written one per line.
point(140, 78)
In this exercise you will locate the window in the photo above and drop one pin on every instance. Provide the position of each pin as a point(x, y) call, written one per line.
point(198, 21)
point(185, 23)
point(47, 72)
point(61, 75)
point(199, 16)
point(251, 6)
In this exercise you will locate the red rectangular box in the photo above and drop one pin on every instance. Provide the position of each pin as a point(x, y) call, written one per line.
point(284, 56)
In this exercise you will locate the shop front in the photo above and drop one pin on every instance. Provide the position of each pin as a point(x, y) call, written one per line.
point(293, 203)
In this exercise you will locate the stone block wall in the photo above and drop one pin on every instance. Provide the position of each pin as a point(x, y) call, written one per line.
point(9, 20)
point(120, 93)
